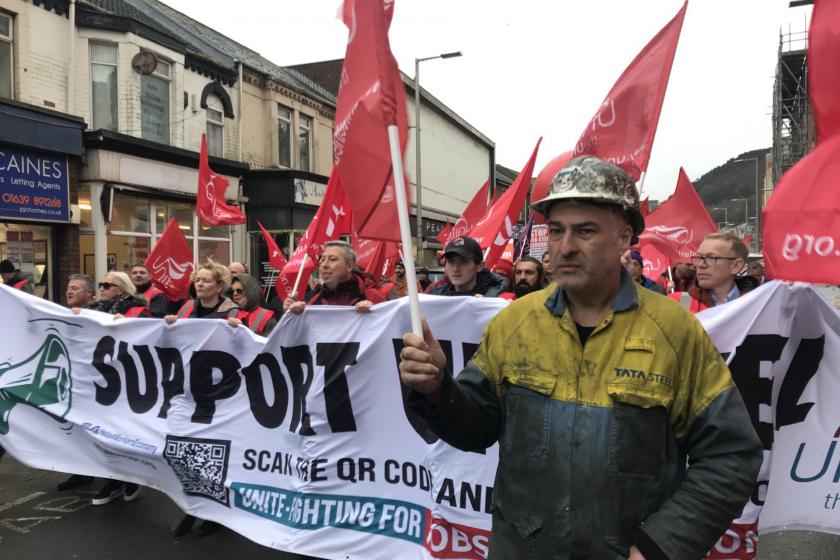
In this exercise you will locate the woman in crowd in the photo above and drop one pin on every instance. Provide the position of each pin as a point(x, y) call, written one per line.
point(118, 297)
point(211, 282)
point(246, 295)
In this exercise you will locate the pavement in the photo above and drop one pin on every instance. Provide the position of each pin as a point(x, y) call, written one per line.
point(39, 522)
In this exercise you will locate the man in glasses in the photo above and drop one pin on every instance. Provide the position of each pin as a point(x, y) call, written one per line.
point(596, 390)
point(719, 259)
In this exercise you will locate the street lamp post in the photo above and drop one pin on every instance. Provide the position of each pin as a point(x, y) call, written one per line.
point(725, 217)
point(757, 204)
point(419, 189)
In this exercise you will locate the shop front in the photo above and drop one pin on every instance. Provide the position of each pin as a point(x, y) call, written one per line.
point(39, 161)
point(132, 188)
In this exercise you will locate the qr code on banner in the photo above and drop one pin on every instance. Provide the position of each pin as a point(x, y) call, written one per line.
point(201, 465)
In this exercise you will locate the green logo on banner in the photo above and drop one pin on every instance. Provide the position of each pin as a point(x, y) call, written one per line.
point(41, 380)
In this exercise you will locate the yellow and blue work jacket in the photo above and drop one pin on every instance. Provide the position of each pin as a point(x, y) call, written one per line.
point(594, 437)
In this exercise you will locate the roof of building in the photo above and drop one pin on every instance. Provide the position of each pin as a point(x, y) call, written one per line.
point(327, 73)
point(206, 50)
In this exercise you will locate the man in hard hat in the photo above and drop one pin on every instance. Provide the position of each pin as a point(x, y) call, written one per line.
point(596, 390)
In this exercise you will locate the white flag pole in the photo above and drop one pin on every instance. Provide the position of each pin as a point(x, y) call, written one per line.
point(299, 275)
point(642, 182)
point(405, 229)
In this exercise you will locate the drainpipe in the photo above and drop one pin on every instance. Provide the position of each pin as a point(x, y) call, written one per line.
point(244, 240)
point(71, 70)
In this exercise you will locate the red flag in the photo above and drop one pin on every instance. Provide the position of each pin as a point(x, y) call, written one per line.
point(496, 228)
point(331, 221)
point(474, 211)
point(210, 205)
point(275, 256)
point(372, 255)
point(170, 263)
point(801, 236)
point(540, 189)
point(654, 262)
point(748, 241)
point(823, 78)
point(677, 226)
point(802, 219)
point(624, 126)
point(443, 235)
point(370, 98)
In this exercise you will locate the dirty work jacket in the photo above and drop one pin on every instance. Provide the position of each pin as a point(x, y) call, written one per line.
point(593, 440)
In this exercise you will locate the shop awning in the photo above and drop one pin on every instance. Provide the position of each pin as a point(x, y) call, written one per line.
point(31, 127)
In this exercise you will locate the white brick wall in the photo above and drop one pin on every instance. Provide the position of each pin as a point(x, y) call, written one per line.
point(42, 60)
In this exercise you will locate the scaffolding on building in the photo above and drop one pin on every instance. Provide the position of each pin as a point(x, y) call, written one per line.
point(793, 122)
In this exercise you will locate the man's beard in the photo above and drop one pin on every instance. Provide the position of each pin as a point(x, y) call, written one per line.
point(523, 288)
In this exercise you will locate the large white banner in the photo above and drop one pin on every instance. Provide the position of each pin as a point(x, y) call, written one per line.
point(301, 441)
point(782, 344)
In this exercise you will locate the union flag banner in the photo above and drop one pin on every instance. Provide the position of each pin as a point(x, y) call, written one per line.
point(170, 263)
point(624, 126)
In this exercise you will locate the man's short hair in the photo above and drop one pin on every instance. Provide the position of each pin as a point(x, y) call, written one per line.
point(349, 253)
point(90, 285)
point(139, 265)
point(735, 243)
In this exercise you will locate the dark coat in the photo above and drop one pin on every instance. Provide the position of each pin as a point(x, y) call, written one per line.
point(487, 284)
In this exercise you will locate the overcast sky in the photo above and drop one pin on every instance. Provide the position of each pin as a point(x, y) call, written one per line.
point(541, 68)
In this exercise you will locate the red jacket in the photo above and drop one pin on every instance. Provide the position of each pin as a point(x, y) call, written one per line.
point(359, 288)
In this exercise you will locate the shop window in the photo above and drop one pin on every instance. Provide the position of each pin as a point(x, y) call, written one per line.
point(84, 207)
point(28, 247)
point(103, 72)
point(181, 211)
point(154, 103)
point(284, 136)
point(218, 250)
point(124, 251)
point(6, 56)
point(215, 127)
point(304, 142)
point(130, 214)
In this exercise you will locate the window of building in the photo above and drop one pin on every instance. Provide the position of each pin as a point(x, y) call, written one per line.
point(304, 142)
point(154, 103)
point(284, 135)
point(103, 75)
point(6, 50)
point(215, 127)
point(137, 222)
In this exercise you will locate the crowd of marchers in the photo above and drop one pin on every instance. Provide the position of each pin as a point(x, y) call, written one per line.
point(586, 302)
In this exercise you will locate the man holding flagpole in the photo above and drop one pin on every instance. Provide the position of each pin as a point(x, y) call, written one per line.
point(597, 391)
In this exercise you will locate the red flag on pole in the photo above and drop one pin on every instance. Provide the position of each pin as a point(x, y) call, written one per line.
point(372, 254)
point(823, 77)
point(653, 261)
point(802, 219)
point(543, 181)
point(170, 263)
point(331, 221)
point(210, 205)
point(496, 228)
point(443, 234)
point(370, 97)
point(677, 226)
point(275, 256)
point(474, 212)
point(624, 126)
